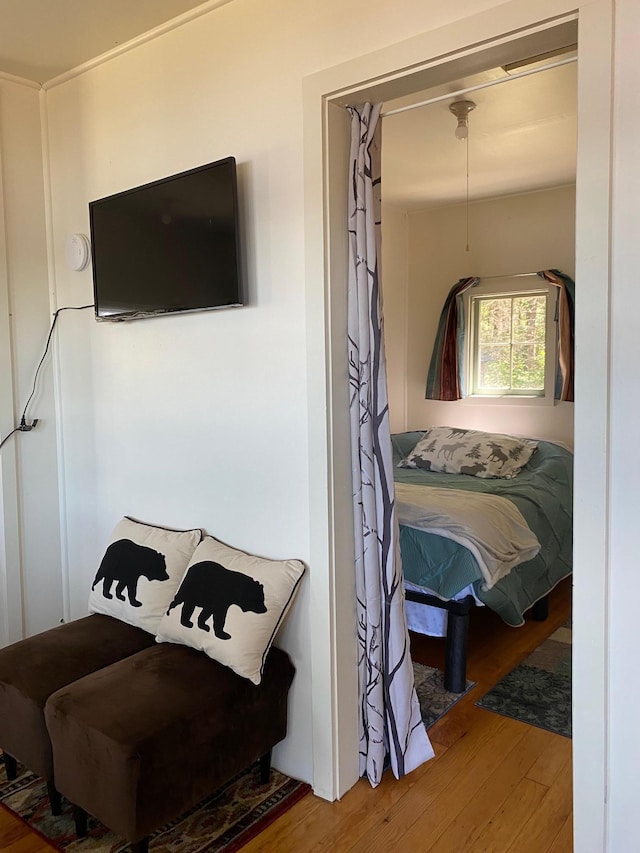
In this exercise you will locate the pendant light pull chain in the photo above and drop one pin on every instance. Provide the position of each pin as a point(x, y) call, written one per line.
point(461, 110)
point(467, 203)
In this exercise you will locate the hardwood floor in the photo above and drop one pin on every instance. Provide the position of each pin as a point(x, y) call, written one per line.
point(495, 786)
point(16, 837)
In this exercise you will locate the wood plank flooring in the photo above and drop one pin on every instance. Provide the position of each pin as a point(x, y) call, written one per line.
point(495, 786)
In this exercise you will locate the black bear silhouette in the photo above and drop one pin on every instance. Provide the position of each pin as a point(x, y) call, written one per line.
point(214, 589)
point(124, 563)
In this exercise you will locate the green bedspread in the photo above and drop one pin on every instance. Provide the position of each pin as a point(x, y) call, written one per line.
point(543, 492)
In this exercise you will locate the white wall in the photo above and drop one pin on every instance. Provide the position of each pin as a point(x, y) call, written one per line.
point(202, 419)
point(522, 233)
point(195, 420)
point(31, 597)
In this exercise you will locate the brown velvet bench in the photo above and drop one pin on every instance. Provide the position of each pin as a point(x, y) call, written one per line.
point(141, 741)
point(34, 668)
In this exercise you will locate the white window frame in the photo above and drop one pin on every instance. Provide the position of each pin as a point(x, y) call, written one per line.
point(514, 285)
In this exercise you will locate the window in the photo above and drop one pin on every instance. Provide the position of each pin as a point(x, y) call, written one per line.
point(511, 335)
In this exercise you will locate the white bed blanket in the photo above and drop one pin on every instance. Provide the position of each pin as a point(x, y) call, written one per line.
point(491, 527)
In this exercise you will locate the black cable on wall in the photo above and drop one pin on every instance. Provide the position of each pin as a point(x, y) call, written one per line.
point(23, 426)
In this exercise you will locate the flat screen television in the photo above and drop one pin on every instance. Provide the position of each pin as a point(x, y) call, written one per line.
point(168, 246)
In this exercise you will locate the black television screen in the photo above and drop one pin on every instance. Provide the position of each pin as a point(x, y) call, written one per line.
point(168, 246)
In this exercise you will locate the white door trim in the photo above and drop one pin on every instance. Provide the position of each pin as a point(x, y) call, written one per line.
point(11, 593)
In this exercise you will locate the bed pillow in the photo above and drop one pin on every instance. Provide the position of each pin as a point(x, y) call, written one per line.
point(468, 451)
point(404, 442)
point(140, 572)
point(230, 606)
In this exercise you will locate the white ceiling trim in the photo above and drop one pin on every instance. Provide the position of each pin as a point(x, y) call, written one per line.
point(21, 81)
point(428, 207)
point(485, 85)
point(143, 38)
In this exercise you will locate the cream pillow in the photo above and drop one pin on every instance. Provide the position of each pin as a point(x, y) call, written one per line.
point(140, 572)
point(230, 606)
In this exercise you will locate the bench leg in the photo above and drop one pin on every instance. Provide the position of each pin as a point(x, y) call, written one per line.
point(141, 846)
point(11, 766)
point(80, 819)
point(265, 767)
point(55, 800)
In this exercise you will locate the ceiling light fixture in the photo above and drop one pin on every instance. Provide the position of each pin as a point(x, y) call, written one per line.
point(461, 110)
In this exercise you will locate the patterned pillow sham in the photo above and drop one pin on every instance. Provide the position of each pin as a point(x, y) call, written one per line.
point(467, 451)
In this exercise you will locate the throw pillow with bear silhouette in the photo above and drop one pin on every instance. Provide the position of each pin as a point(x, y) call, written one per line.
point(213, 589)
point(140, 572)
point(230, 606)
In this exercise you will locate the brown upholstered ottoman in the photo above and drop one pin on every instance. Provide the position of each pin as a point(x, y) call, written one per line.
point(32, 669)
point(140, 742)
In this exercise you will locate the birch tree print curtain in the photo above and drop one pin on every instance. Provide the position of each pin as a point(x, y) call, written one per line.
point(390, 720)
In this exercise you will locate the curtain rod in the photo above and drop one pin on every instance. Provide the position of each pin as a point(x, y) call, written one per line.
point(457, 94)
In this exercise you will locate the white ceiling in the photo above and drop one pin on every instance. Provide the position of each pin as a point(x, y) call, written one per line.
point(40, 39)
point(522, 138)
point(522, 132)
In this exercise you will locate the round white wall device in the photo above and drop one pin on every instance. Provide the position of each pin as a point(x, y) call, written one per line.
point(77, 251)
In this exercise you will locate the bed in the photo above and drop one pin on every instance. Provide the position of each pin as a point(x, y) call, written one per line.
point(444, 568)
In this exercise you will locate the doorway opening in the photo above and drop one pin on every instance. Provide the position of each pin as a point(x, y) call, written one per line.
point(461, 49)
point(497, 203)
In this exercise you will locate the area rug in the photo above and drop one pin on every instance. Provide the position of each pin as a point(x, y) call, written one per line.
point(434, 700)
point(223, 823)
point(538, 691)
